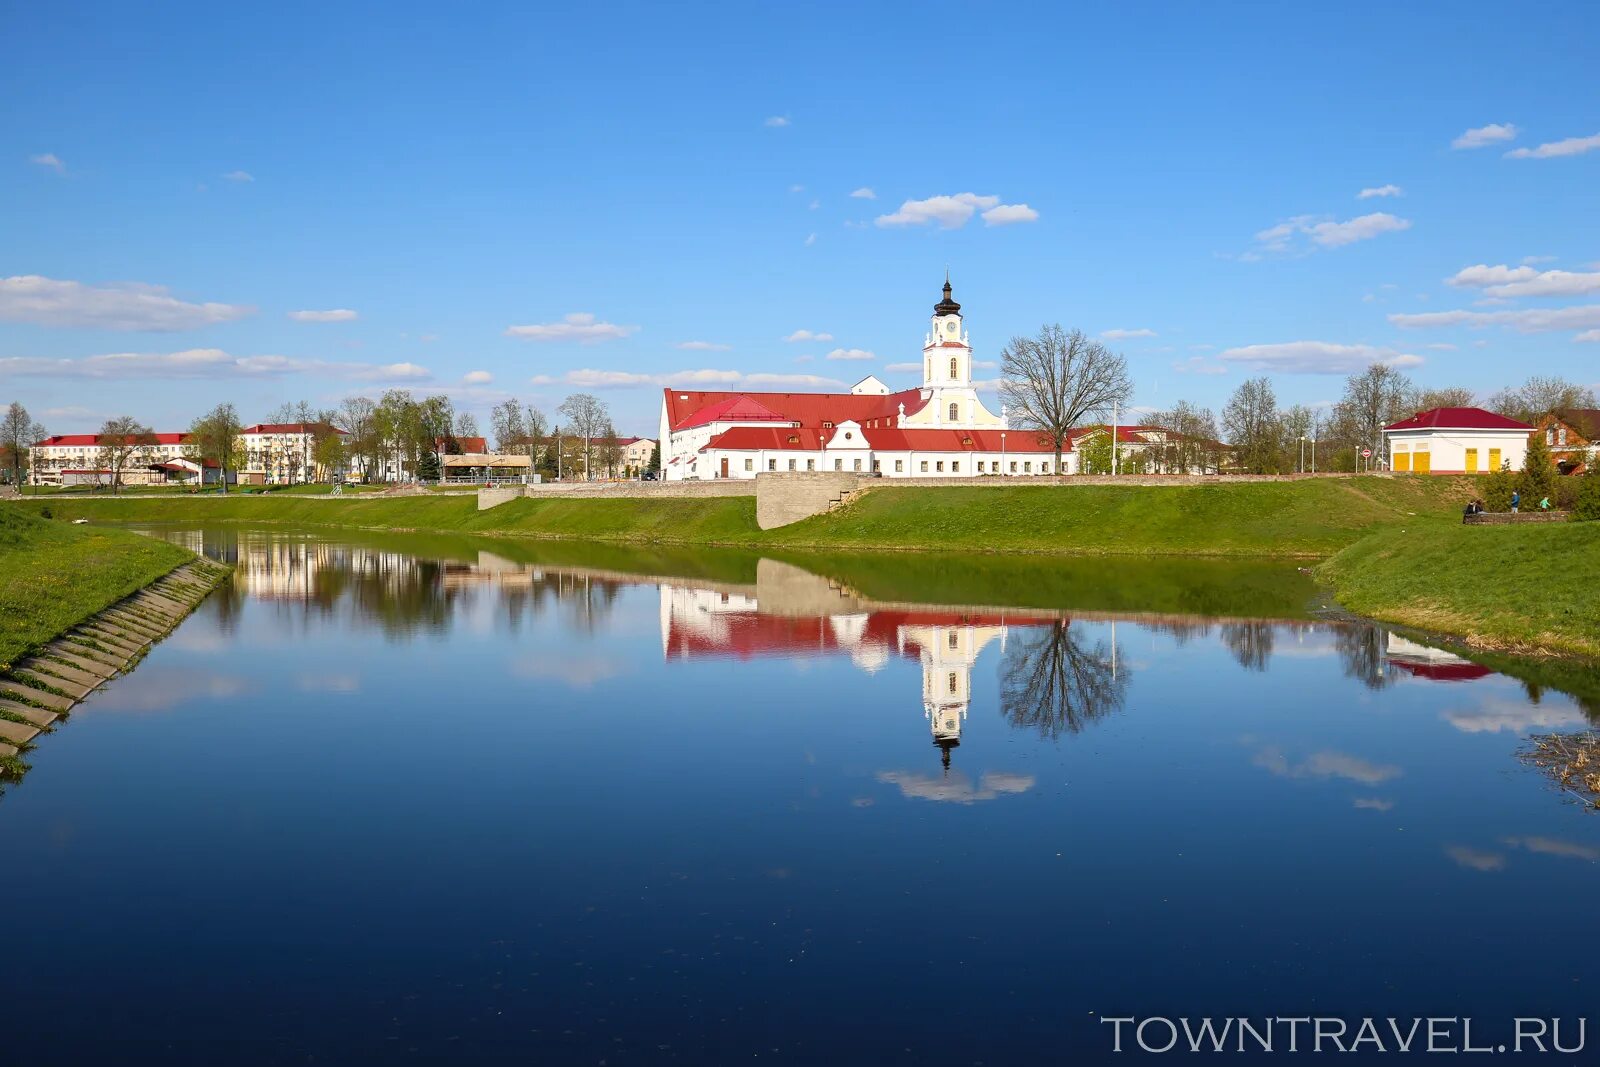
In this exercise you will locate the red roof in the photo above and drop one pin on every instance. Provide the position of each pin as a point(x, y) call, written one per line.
point(686, 408)
point(67, 440)
point(293, 427)
point(933, 440)
point(746, 438)
point(1443, 672)
point(746, 634)
point(466, 444)
point(1458, 419)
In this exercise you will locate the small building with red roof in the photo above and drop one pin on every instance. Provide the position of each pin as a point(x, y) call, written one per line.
point(1456, 441)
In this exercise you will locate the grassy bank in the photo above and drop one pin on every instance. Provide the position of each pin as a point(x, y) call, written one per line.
point(1307, 519)
point(53, 574)
point(1517, 588)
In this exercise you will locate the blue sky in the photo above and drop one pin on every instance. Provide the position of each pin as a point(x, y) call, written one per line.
point(177, 180)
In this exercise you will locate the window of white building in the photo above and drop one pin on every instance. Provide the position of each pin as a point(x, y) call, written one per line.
point(772, 464)
point(924, 466)
point(749, 464)
point(955, 412)
point(791, 464)
point(955, 466)
point(1013, 466)
point(899, 465)
point(857, 465)
point(838, 464)
point(811, 464)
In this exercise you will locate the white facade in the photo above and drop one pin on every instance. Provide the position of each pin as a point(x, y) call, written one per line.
point(1456, 441)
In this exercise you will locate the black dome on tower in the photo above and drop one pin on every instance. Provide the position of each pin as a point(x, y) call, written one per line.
point(947, 306)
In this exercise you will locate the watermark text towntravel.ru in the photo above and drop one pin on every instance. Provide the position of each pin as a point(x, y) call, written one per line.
point(1291, 1034)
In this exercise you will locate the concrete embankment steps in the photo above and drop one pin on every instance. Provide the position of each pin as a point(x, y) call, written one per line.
point(41, 688)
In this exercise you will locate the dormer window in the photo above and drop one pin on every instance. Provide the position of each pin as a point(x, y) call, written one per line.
point(794, 439)
point(827, 425)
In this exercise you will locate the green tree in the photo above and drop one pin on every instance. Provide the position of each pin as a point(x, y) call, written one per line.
point(428, 467)
point(1586, 508)
point(655, 459)
point(214, 439)
point(1498, 488)
point(1538, 472)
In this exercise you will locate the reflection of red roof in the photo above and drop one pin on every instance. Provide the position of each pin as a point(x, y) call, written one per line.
point(686, 408)
point(1458, 419)
point(746, 634)
point(1443, 672)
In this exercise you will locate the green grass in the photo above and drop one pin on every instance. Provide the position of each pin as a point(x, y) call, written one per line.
point(52, 575)
point(1308, 519)
point(1516, 588)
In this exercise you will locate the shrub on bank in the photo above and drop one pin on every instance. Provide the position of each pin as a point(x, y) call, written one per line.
point(1585, 505)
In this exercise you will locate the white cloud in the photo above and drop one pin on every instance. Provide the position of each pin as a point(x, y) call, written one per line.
point(1588, 335)
point(332, 315)
point(1483, 136)
point(804, 359)
point(477, 377)
point(808, 335)
point(1476, 859)
point(1572, 146)
point(1504, 281)
point(850, 354)
point(120, 306)
point(1126, 335)
point(1007, 214)
point(1316, 357)
point(50, 160)
point(901, 368)
point(776, 122)
point(1531, 320)
point(797, 188)
point(1499, 714)
point(811, 239)
point(953, 212)
point(1380, 190)
point(701, 346)
point(1554, 846)
point(1198, 365)
point(1529, 261)
point(1326, 232)
point(203, 363)
point(957, 788)
point(1442, 346)
point(239, 176)
point(1327, 763)
point(864, 193)
point(591, 378)
point(579, 326)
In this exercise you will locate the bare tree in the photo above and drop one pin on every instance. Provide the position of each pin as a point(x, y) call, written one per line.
point(1374, 398)
point(466, 424)
point(1053, 381)
point(507, 425)
point(1254, 429)
point(1051, 682)
point(18, 434)
point(586, 417)
point(1448, 397)
point(1191, 440)
point(533, 425)
point(123, 442)
point(356, 419)
point(1539, 396)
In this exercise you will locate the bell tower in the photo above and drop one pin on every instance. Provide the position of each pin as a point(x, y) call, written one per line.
point(947, 352)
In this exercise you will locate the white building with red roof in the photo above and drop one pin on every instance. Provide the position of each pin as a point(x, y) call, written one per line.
point(1456, 441)
point(939, 429)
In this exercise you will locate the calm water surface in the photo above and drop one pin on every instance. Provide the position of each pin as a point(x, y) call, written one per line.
point(442, 801)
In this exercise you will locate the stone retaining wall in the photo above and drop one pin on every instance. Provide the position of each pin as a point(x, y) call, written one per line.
point(1506, 518)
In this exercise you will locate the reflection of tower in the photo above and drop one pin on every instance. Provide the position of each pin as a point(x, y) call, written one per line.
point(948, 653)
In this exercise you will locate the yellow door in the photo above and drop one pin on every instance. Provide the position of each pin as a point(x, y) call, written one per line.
point(1494, 459)
point(1423, 463)
point(1402, 461)
point(1472, 461)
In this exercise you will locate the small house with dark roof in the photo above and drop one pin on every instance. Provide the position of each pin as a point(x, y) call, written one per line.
point(1456, 441)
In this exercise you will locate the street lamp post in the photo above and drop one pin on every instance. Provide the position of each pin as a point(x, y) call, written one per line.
point(1313, 455)
point(1002, 453)
point(1302, 453)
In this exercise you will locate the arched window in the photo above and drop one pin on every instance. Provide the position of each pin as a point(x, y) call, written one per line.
point(952, 366)
point(955, 413)
point(929, 374)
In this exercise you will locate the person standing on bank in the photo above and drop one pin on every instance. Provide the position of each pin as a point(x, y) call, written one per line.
point(1516, 498)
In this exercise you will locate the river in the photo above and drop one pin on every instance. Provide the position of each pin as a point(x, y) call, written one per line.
point(419, 799)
